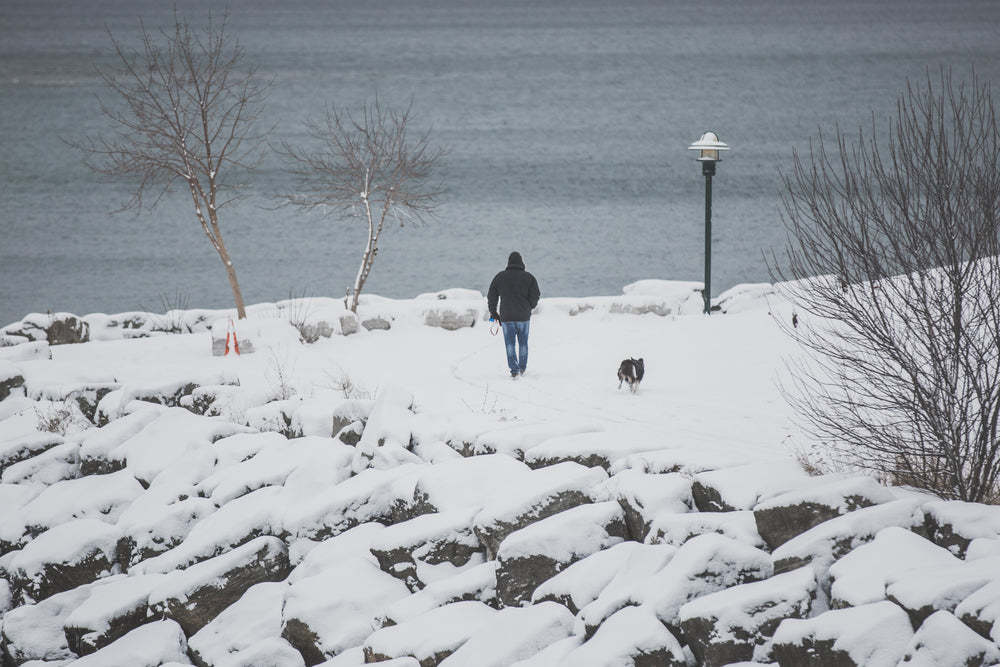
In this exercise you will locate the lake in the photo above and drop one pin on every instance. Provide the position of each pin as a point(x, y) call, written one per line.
point(567, 125)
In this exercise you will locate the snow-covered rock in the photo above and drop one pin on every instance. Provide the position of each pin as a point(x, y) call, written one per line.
point(643, 497)
point(414, 551)
point(153, 645)
point(734, 624)
point(703, 565)
point(247, 632)
point(584, 581)
point(531, 555)
point(195, 596)
point(65, 557)
point(942, 639)
point(954, 524)
point(782, 517)
point(873, 635)
point(743, 487)
point(668, 527)
point(544, 493)
point(354, 599)
point(110, 611)
point(513, 634)
point(861, 576)
point(429, 637)
point(631, 636)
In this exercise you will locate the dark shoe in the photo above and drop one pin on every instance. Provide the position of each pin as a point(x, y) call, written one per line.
point(513, 375)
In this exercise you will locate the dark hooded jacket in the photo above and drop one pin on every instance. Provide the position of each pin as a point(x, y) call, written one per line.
point(515, 289)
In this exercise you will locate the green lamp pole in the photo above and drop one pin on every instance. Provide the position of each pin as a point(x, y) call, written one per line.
point(708, 148)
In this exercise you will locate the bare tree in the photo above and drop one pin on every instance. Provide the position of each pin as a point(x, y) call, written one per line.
point(369, 170)
point(894, 255)
point(184, 110)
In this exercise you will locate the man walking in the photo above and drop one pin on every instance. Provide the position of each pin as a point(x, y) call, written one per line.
point(517, 293)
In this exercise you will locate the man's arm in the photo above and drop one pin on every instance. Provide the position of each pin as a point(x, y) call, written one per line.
point(492, 297)
point(536, 294)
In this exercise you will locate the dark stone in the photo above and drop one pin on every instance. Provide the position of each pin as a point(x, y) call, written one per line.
point(89, 397)
point(208, 592)
point(9, 384)
point(812, 653)
point(779, 524)
point(519, 576)
point(708, 499)
point(444, 541)
point(26, 447)
point(305, 641)
point(67, 330)
point(492, 534)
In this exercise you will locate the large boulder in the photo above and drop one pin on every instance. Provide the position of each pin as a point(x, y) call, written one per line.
point(705, 564)
point(616, 570)
point(247, 632)
point(195, 596)
point(411, 550)
point(981, 611)
point(54, 465)
point(632, 636)
point(544, 493)
point(873, 635)
point(11, 379)
point(430, 637)
point(512, 635)
point(23, 447)
point(464, 484)
point(355, 596)
point(232, 525)
point(825, 543)
point(625, 584)
point(861, 577)
point(102, 497)
point(942, 639)
point(782, 517)
point(316, 510)
point(55, 328)
point(159, 643)
point(477, 583)
point(536, 553)
point(744, 487)
point(643, 497)
point(110, 611)
point(35, 631)
point(669, 527)
point(732, 625)
point(597, 449)
point(65, 557)
point(953, 524)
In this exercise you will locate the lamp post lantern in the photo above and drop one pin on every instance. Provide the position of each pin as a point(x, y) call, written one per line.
point(708, 148)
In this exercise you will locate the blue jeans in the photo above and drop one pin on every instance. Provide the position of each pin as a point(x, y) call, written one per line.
point(517, 360)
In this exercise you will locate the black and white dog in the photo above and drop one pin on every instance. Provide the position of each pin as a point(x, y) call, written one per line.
point(631, 371)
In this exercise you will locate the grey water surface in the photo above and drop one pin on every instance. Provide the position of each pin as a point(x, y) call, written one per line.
point(567, 123)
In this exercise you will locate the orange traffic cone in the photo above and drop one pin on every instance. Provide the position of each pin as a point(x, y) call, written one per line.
point(231, 331)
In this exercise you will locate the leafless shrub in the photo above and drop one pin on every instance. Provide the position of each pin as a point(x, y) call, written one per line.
point(183, 111)
point(894, 269)
point(368, 170)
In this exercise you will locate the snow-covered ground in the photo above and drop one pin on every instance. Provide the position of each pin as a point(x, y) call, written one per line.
point(446, 449)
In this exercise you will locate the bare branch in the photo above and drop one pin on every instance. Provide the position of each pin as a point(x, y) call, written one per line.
point(894, 253)
point(183, 109)
point(367, 169)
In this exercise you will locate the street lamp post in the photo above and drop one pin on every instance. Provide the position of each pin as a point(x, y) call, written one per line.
point(708, 148)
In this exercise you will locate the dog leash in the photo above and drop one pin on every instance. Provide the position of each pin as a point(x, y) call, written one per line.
point(495, 326)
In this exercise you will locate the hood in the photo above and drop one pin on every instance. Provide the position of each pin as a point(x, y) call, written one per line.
point(514, 261)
